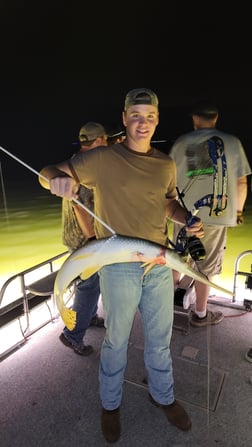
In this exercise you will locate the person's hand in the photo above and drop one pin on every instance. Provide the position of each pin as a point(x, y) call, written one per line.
point(64, 186)
point(196, 229)
point(239, 218)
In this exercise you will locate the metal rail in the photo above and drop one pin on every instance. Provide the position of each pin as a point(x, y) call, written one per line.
point(30, 295)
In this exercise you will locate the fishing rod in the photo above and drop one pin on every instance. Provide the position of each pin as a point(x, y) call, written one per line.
point(46, 179)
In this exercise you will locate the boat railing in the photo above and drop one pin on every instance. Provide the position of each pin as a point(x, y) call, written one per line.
point(33, 306)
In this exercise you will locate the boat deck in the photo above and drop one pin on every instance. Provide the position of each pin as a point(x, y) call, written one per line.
point(50, 395)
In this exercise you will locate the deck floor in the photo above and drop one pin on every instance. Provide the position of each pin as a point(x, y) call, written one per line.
point(50, 396)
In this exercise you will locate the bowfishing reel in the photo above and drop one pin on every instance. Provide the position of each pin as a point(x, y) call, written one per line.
point(190, 244)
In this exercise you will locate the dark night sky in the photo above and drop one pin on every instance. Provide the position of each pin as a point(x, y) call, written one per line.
point(64, 65)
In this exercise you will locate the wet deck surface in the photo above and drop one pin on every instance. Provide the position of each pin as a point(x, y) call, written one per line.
point(50, 395)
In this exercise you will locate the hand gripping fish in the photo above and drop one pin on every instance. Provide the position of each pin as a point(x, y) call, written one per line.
point(89, 259)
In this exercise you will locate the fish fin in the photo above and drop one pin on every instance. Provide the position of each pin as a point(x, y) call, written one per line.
point(69, 317)
point(89, 272)
point(83, 256)
point(159, 260)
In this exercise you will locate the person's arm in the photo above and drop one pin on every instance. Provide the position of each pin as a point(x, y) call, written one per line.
point(242, 191)
point(85, 221)
point(60, 180)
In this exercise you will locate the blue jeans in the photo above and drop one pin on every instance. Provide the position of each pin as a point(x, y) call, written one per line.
point(85, 304)
point(123, 290)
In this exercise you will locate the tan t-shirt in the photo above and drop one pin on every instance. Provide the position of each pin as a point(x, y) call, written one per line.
point(130, 189)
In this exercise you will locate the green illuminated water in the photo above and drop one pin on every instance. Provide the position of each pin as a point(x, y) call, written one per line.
point(30, 230)
point(30, 220)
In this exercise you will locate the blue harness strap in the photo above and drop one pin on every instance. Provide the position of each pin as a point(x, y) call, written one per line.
point(216, 152)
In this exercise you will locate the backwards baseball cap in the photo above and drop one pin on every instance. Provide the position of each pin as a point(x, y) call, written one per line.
point(90, 131)
point(205, 109)
point(140, 96)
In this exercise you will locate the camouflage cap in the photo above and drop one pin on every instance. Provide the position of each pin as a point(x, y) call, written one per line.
point(90, 131)
point(140, 96)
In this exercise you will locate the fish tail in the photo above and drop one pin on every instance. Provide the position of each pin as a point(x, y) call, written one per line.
point(69, 317)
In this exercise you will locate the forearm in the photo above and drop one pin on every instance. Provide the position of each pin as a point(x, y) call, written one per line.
point(47, 173)
point(242, 191)
point(175, 212)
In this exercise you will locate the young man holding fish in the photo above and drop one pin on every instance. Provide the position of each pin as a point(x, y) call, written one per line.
point(134, 192)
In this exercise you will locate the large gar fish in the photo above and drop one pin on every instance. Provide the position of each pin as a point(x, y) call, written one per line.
point(89, 259)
